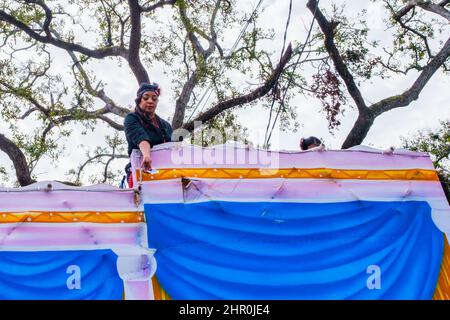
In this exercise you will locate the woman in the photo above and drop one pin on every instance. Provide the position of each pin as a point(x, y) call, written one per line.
point(144, 128)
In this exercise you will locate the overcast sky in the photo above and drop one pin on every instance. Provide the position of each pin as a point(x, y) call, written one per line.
point(387, 130)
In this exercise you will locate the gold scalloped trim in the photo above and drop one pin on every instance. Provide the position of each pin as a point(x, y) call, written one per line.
point(443, 285)
point(158, 291)
point(72, 217)
point(324, 173)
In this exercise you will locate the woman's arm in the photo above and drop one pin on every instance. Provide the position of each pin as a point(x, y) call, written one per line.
point(146, 163)
point(137, 136)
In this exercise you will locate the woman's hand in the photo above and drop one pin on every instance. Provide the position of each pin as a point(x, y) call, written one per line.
point(146, 163)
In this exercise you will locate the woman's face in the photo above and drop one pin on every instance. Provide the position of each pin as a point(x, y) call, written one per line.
point(149, 101)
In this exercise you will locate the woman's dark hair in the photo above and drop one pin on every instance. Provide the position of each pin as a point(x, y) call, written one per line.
point(306, 143)
point(137, 100)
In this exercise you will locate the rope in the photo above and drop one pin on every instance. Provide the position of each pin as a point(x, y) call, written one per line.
point(241, 34)
point(278, 77)
point(291, 76)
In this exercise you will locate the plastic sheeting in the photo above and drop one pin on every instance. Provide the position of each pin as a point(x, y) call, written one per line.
point(60, 242)
point(243, 223)
point(73, 275)
point(226, 250)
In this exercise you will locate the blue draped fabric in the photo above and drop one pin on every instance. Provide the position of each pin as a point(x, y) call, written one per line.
point(273, 250)
point(45, 275)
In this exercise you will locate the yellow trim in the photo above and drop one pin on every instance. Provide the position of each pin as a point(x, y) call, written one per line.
point(322, 173)
point(443, 285)
point(71, 217)
point(158, 291)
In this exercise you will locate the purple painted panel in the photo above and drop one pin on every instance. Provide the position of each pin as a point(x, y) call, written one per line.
point(68, 235)
point(67, 200)
point(195, 157)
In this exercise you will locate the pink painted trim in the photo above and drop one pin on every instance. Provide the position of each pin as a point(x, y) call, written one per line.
point(138, 290)
point(67, 201)
point(73, 235)
point(196, 157)
point(297, 190)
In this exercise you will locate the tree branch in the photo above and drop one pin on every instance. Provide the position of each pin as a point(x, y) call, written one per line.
point(23, 173)
point(97, 54)
point(48, 14)
point(28, 112)
point(188, 87)
point(26, 97)
point(412, 93)
point(405, 10)
point(183, 99)
point(213, 39)
point(108, 21)
point(105, 170)
point(420, 35)
point(255, 94)
point(341, 67)
point(367, 115)
point(110, 105)
point(98, 156)
point(436, 8)
point(365, 120)
point(67, 118)
point(190, 31)
point(133, 58)
point(157, 5)
point(112, 123)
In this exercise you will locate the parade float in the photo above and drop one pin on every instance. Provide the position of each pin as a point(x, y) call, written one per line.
point(232, 222)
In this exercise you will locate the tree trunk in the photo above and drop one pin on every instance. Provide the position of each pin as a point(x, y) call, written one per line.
point(359, 130)
point(18, 158)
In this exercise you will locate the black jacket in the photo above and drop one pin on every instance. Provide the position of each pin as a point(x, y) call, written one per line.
point(137, 130)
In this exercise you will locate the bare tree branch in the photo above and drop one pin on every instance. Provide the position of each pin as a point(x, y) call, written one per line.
point(133, 58)
point(48, 14)
point(28, 112)
point(394, 69)
point(367, 115)
point(98, 53)
point(18, 158)
point(105, 170)
point(436, 8)
point(427, 5)
point(412, 93)
point(420, 35)
point(255, 94)
point(108, 21)
point(213, 39)
point(113, 124)
point(30, 99)
point(110, 105)
point(98, 156)
point(188, 87)
point(183, 99)
point(341, 67)
point(405, 10)
point(190, 31)
point(159, 4)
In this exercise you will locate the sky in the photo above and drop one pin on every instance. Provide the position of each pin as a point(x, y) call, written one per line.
point(388, 129)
